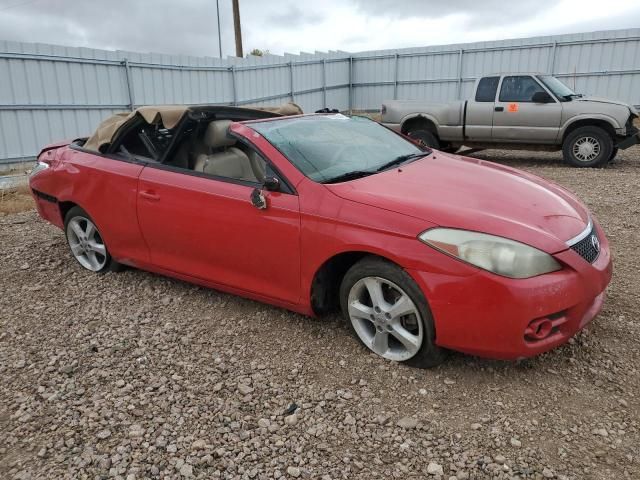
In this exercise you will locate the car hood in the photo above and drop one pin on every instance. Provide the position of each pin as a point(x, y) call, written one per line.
point(606, 100)
point(461, 192)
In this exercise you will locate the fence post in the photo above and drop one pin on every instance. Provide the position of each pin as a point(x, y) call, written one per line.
point(324, 83)
point(552, 59)
point(233, 85)
point(395, 78)
point(350, 85)
point(460, 53)
point(293, 91)
point(129, 80)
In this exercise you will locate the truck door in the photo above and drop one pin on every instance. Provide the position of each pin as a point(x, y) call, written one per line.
point(479, 114)
point(518, 119)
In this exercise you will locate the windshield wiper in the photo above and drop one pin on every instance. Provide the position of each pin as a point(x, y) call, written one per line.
point(401, 159)
point(345, 177)
point(571, 95)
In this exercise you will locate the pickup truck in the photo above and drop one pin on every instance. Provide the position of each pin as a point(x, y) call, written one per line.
point(529, 111)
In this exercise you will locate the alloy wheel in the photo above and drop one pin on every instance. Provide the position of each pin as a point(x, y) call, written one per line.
point(586, 149)
point(385, 318)
point(86, 243)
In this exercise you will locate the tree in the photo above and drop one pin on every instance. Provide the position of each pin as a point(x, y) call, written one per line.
point(256, 52)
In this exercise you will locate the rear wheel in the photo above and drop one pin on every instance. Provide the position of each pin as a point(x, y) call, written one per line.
point(388, 313)
point(86, 243)
point(588, 147)
point(425, 138)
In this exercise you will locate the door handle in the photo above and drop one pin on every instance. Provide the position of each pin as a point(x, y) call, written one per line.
point(149, 195)
point(499, 109)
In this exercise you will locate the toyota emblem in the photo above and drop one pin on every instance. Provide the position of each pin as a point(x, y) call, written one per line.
point(595, 242)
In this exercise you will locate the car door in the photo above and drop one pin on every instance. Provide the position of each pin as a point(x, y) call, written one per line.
point(207, 226)
point(480, 110)
point(105, 185)
point(518, 119)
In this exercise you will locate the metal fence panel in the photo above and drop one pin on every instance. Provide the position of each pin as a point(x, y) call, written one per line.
point(50, 92)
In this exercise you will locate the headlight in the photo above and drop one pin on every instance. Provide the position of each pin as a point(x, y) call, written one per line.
point(39, 166)
point(496, 254)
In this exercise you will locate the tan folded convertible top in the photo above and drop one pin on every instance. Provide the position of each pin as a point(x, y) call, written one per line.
point(168, 115)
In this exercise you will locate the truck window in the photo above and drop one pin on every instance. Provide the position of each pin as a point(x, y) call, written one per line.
point(487, 87)
point(519, 89)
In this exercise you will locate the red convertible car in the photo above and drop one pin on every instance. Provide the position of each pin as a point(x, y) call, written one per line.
point(421, 250)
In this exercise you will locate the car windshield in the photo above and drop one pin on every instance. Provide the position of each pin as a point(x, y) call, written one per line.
point(558, 88)
point(333, 148)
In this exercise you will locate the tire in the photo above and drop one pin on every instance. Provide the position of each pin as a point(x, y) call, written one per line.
point(425, 137)
point(407, 337)
point(588, 147)
point(86, 244)
point(614, 152)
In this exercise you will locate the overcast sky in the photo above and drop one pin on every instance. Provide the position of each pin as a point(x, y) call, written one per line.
point(189, 26)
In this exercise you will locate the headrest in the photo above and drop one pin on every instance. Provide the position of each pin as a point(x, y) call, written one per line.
point(216, 134)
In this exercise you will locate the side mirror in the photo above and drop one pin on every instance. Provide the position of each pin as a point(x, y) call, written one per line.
point(541, 97)
point(258, 200)
point(271, 184)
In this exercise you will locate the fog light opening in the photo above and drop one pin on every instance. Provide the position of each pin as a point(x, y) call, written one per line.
point(539, 329)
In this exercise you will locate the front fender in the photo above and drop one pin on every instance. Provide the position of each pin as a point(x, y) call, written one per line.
point(601, 116)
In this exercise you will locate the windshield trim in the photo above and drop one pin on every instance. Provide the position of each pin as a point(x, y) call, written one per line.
point(558, 97)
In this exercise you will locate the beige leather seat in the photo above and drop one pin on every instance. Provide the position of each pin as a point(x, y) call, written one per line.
point(258, 165)
point(223, 159)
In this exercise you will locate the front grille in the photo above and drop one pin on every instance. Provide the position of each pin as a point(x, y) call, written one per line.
point(589, 247)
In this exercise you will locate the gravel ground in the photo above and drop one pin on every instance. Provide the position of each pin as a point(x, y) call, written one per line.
point(133, 375)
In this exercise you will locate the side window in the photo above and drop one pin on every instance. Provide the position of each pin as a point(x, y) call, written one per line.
point(487, 88)
point(146, 142)
point(519, 89)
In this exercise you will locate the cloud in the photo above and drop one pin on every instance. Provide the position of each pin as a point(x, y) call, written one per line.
point(294, 16)
point(189, 27)
point(493, 11)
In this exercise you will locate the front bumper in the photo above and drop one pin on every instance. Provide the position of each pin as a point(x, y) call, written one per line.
point(629, 141)
point(490, 316)
point(629, 135)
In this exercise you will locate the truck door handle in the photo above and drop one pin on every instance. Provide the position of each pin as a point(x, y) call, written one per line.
point(149, 195)
point(499, 109)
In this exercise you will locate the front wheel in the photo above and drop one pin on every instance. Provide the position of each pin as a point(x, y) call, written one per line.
point(86, 243)
point(388, 313)
point(588, 147)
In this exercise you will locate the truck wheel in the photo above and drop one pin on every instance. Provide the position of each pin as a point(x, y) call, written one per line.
point(587, 147)
point(425, 137)
point(614, 152)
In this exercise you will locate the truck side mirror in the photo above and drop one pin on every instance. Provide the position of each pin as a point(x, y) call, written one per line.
point(541, 97)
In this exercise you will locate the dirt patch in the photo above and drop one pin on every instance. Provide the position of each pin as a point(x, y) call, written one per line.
point(15, 200)
point(134, 375)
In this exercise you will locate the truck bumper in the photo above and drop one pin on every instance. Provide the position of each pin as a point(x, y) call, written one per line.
point(629, 141)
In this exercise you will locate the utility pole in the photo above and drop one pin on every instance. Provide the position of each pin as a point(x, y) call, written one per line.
point(219, 33)
point(236, 28)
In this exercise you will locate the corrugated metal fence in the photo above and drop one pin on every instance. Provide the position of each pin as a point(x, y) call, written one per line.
point(50, 92)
